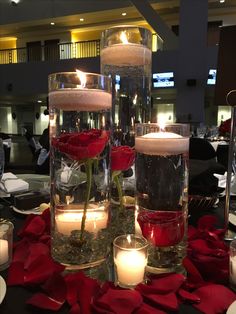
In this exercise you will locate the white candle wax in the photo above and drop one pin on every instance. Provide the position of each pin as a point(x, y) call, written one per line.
point(127, 54)
point(233, 269)
point(81, 99)
point(4, 255)
point(130, 266)
point(95, 221)
point(161, 143)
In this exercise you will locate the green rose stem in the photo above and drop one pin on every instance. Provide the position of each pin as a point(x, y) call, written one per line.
point(88, 168)
point(116, 180)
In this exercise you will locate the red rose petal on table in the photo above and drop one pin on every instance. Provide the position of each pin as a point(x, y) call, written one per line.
point(166, 302)
point(75, 309)
point(41, 269)
point(16, 274)
point(162, 285)
point(120, 301)
point(43, 301)
point(87, 289)
point(21, 251)
point(29, 218)
point(188, 297)
point(215, 299)
point(194, 275)
point(34, 228)
point(55, 287)
point(203, 247)
point(147, 309)
point(35, 250)
point(72, 282)
point(207, 222)
point(46, 216)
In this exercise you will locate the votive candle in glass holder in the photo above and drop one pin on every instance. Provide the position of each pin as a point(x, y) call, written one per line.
point(232, 264)
point(6, 236)
point(130, 260)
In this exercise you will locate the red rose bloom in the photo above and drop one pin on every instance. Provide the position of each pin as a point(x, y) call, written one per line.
point(122, 158)
point(162, 229)
point(83, 145)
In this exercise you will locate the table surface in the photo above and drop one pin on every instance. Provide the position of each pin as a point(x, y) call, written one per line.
point(15, 299)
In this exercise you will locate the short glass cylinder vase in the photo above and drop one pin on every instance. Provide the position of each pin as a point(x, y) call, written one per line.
point(80, 121)
point(161, 168)
point(6, 243)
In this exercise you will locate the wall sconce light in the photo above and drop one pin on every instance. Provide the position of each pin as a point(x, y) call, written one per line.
point(37, 115)
point(13, 115)
point(15, 2)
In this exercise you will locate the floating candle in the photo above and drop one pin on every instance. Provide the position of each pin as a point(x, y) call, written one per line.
point(126, 54)
point(161, 143)
point(80, 99)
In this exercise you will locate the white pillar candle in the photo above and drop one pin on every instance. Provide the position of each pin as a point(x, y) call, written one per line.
point(4, 255)
point(161, 143)
point(127, 54)
point(130, 266)
point(81, 99)
point(95, 221)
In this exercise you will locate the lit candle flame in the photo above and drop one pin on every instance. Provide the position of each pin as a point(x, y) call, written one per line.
point(82, 77)
point(162, 124)
point(123, 38)
point(129, 238)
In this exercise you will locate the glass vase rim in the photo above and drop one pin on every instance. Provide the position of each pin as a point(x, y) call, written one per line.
point(144, 243)
point(158, 124)
point(74, 72)
point(127, 26)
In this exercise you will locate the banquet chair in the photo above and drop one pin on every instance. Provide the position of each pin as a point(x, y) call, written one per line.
point(201, 149)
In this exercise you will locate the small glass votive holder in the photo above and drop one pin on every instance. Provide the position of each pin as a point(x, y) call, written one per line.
point(232, 264)
point(130, 260)
point(6, 238)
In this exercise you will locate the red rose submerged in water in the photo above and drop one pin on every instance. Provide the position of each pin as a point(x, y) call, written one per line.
point(122, 158)
point(83, 145)
point(162, 229)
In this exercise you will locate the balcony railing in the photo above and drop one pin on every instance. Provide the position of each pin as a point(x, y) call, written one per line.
point(82, 49)
point(63, 51)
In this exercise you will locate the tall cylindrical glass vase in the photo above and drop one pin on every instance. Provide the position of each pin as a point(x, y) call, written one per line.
point(127, 57)
point(161, 168)
point(80, 121)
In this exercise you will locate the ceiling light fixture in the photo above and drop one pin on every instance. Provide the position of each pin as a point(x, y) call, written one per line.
point(222, 1)
point(158, 98)
point(124, 13)
point(52, 23)
point(81, 20)
point(39, 101)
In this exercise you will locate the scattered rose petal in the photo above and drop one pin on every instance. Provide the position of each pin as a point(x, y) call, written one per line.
point(42, 301)
point(214, 299)
point(188, 297)
point(41, 269)
point(167, 302)
point(147, 309)
point(55, 287)
point(35, 250)
point(75, 309)
point(121, 301)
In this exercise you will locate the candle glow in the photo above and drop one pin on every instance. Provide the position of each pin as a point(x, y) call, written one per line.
point(4, 255)
point(130, 266)
point(69, 221)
